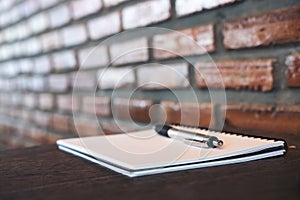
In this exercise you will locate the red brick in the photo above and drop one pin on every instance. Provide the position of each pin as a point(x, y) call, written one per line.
point(7, 128)
point(10, 114)
point(20, 31)
point(9, 17)
point(130, 51)
point(16, 140)
point(38, 84)
point(59, 16)
point(110, 78)
point(5, 5)
point(59, 83)
point(93, 57)
point(132, 109)
point(16, 113)
point(4, 116)
point(104, 26)
point(4, 98)
point(28, 7)
point(192, 41)
point(22, 130)
point(10, 84)
point(65, 60)
point(32, 46)
point(21, 51)
point(153, 76)
point(5, 19)
point(9, 69)
point(43, 119)
point(146, 13)
point(185, 7)
point(263, 119)
point(13, 51)
point(82, 8)
point(84, 81)
point(39, 23)
point(74, 35)
point(28, 115)
point(53, 137)
point(293, 71)
point(191, 114)
point(25, 66)
point(86, 127)
point(109, 3)
point(14, 14)
point(6, 52)
point(30, 100)
point(48, 3)
point(16, 99)
point(236, 74)
point(276, 27)
point(42, 65)
point(99, 106)
point(68, 103)
point(39, 135)
point(51, 40)
point(2, 84)
point(46, 101)
point(1, 38)
point(24, 136)
point(110, 128)
point(62, 123)
point(17, 49)
point(10, 34)
point(23, 83)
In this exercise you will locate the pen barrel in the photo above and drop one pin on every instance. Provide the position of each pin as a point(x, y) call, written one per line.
point(210, 141)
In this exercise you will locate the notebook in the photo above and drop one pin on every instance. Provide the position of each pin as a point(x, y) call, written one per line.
point(145, 152)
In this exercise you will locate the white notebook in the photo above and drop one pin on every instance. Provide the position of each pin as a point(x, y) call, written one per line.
point(145, 152)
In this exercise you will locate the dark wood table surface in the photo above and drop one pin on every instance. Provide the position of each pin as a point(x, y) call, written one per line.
point(46, 173)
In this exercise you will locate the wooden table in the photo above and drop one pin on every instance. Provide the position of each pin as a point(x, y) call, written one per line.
point(47, 173)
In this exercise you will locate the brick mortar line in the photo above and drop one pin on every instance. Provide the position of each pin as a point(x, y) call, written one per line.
point(265, 98)
point(246, 53)
point(28, 126)
point(124, 92)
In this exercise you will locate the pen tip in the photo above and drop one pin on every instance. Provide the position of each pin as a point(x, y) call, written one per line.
point(220, 143)
point(216, 143)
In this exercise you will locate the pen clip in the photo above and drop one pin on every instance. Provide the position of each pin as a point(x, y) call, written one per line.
point(195, 143)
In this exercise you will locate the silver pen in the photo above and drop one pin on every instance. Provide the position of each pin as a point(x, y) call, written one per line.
point(171, 132)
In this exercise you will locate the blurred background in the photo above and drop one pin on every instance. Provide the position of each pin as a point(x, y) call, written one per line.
point(64, 70)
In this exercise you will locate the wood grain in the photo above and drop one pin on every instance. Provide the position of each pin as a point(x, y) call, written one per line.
point(47, 173)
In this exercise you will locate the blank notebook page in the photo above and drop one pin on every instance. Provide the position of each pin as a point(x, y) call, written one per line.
point(146, 149)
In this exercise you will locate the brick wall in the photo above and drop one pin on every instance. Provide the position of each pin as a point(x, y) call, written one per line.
point(87, 67)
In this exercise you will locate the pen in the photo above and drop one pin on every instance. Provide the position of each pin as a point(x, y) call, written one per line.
point(168, 131)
